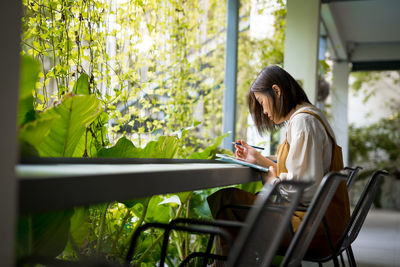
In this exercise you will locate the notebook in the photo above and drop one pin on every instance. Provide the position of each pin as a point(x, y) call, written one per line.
point(231, 159)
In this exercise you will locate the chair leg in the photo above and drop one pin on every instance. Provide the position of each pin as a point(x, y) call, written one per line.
point(350, 255)
point(208, 249)
point(335, 261)
point(342, 260)
point(319, 264)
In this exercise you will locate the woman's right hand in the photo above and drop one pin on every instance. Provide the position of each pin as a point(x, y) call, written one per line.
point(246, 152)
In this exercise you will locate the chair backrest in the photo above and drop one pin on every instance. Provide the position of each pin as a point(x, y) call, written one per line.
point(352, 174)
point(362, 208)
point(319, 204)
point(265, 227)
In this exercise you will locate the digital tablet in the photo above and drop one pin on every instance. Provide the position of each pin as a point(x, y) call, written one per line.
point(231, 159)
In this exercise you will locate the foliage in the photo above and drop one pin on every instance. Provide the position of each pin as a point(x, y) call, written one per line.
point(127, 79)
point(104, 230)
point(146, 62)
point(264, 51)
point(43, 234)
point(377, 144)
point(371, 79)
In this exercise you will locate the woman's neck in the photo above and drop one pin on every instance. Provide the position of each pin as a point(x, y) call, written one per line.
point(296, 108)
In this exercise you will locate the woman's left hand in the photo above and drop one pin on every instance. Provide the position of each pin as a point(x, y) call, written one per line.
point(269, 176)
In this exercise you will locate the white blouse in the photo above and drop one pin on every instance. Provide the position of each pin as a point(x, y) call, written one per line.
point(310, 151)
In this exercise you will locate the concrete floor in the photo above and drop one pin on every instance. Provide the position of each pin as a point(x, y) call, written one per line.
point(378, 243)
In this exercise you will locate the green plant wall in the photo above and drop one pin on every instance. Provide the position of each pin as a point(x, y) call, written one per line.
point(139, 79)
point(152, 65)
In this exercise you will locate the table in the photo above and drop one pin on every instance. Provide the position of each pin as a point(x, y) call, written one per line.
point(53, 186)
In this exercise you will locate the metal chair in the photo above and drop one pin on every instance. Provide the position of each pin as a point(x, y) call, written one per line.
point(259, 236)
point(356, 221)
point(53, 262)
point(315, 212)
point(352, 174)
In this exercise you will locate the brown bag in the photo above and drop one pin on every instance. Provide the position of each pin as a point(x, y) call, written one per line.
point(338, 212)
point(337, 155)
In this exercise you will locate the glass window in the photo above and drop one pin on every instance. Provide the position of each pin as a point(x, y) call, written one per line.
point(112, 69)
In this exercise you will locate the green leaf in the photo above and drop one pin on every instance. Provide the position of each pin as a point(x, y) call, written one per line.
point(30, 69)
point(172, 200)
point(35, 131)
point(93, 143)
point(199, 205)
point(157, 212)
point(79, 229)
point(76, 113)
point(124, 148)
point(27, 149)
point(81, 86)
point(183, 132)
point(165, 147)
point(183, 196)
point(210, 151)
point(253, 187)
point(43, 234)
point(130, 203)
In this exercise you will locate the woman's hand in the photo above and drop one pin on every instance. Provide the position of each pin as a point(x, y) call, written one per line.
point(246, 152)
point(269, 176)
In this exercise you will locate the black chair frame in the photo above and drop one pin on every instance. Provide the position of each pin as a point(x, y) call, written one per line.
point(197, 226)
point(355, 223)
point(314, 216)
point(352, 174)
point(170, 227)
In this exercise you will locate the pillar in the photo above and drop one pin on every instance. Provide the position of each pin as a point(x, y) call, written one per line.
point(301, 43)
point(229, 111)
point(339, 95)
point(10, 20)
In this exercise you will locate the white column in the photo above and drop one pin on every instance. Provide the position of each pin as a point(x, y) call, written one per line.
point(229, 110)
point(339, 94)
point(10, 19)
point(301, 43)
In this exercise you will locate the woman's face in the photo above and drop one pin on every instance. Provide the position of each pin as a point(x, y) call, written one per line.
point(267, 106)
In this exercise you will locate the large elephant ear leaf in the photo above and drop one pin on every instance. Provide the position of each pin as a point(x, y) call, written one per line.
point(76, 114)
point(81, 86)
point(165, 147)
point(35, 132)
point(30, 69)
point(44, 234)
point(94, 140)
point(79, 228)
point(124, 148)
point(168, 146)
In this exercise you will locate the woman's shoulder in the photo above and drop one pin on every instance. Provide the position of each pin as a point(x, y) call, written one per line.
point(304, 119)
point(307, 112)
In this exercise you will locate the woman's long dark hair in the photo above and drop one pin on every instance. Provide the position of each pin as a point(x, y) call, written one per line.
point(291, 95)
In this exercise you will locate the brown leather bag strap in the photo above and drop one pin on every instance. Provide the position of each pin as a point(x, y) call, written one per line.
point(323, 123)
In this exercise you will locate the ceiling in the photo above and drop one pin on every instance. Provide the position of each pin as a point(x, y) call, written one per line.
point(363, 32)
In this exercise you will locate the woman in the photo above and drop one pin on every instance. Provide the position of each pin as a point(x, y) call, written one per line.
point(307, 154)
